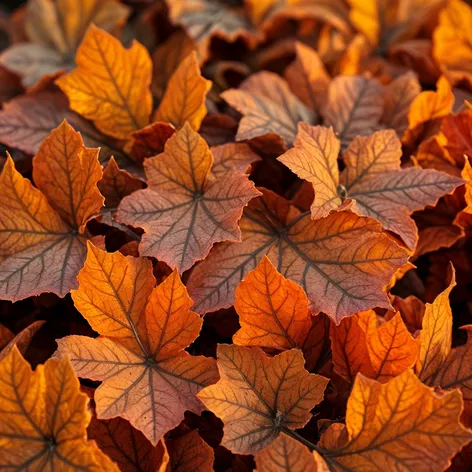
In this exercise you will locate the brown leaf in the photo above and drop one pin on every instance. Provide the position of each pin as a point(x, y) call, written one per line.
point(190, 453)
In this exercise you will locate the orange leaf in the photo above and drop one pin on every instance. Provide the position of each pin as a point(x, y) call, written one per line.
point(354, 107)
point(436, 335)
point(128, 447)
point(184, 98)
point(152, 380)
point(399, 425)
point(268, 107)
point(41, 252)
point(372, 178)
point(22, 340)
point(190, 453)
point(273, 312)
point(43, 418)
point(111, 84)
point(236, 157)
point(258, 396)
point(185, 210)
point(341, 261)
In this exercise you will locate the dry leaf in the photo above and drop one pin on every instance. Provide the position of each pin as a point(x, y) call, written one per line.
point(190, 453)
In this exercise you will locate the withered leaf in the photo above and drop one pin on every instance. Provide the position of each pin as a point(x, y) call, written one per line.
point(236, 157)
point(257, 396)
point(190, 453)
point(341, 261)
point(150, 381)
point(21, 340)
point(43, 418)
point(185, 209)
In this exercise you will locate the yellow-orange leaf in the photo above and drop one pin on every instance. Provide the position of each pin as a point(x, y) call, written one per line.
point(111, 84)
point(402, 425)
point(273, 312)
point(190, 453)
point(151, 381)
point(67, 174)
point(185, 209)
point(184, 98)
point(43, 419)
point(257, 396)
point(436, 335)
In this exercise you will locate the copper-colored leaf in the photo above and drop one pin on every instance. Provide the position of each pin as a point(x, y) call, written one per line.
point(354, 107)
point(151, 380)
point(257, 396)
point(268, 107)
point(43, 419)
point(111, 84)
point(184, 98)
point(190, 453)
point(21, 340)
point(436, 335)
point(185, 210)
point(150, 140)
point(401, 425)
point(341, 261)
point(235, 157)
point(273, 311)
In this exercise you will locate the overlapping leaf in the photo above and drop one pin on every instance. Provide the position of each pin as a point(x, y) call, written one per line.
point(43, 229)
point(147, 377)
point(22, 340)
point(185, 210)
point(373, 178)
point(257, 397)
point(43, 418)
point(190, 453)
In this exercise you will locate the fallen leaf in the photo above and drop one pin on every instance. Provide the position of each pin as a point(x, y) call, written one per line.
point(22, 340)
point(43, 418)
point(152, 380)
point(185, 210)
point(190, 453)
point(150, 140)
point(255, 397)
point(232, 157)
point(110, 85)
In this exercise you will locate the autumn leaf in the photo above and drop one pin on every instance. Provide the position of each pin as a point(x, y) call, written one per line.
point(21, 340)
point(184, 98)
point(185, 210)
point(110, 85)
point(372, 178)
point(55, 30)
point(43, 229)
point(399, 425)
point(268, 107)
point(436, 335)
point(354, 107)
point(127, 446)
point(273, 311)
point(235, 157)
point(452, 41)
point(258, 397)
point(334, 259)
point(150, 140)
point(151, 381)
point(43, 418)
point(190, 453)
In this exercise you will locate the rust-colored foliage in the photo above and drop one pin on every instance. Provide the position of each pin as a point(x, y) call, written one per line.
point(236, 235)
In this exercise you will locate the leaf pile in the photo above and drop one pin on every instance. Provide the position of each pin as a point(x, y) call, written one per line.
point(236, 235)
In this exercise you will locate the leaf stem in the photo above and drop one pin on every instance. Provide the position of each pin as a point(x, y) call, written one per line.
point(304, 441)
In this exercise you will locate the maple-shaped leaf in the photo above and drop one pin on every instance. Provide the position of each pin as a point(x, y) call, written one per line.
point(452, 41)
point(401, 425)
point(127, 446)
point(190, 453)
point(43, 419)
point(236, 157)
point(341, 261)
point(205, 19)
point(257, 397)
point(273, 312)
point(308, 78)
point(287, 454)
point(26, 122)
point(185, 209)
point(43, 229)
point(436, 335)
point(268, 107)
point(373, 178)
point(354, 107)
point(151, 380)
point(184, 98)
point(110, 85)
point(21, 340)
point(55, 30)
